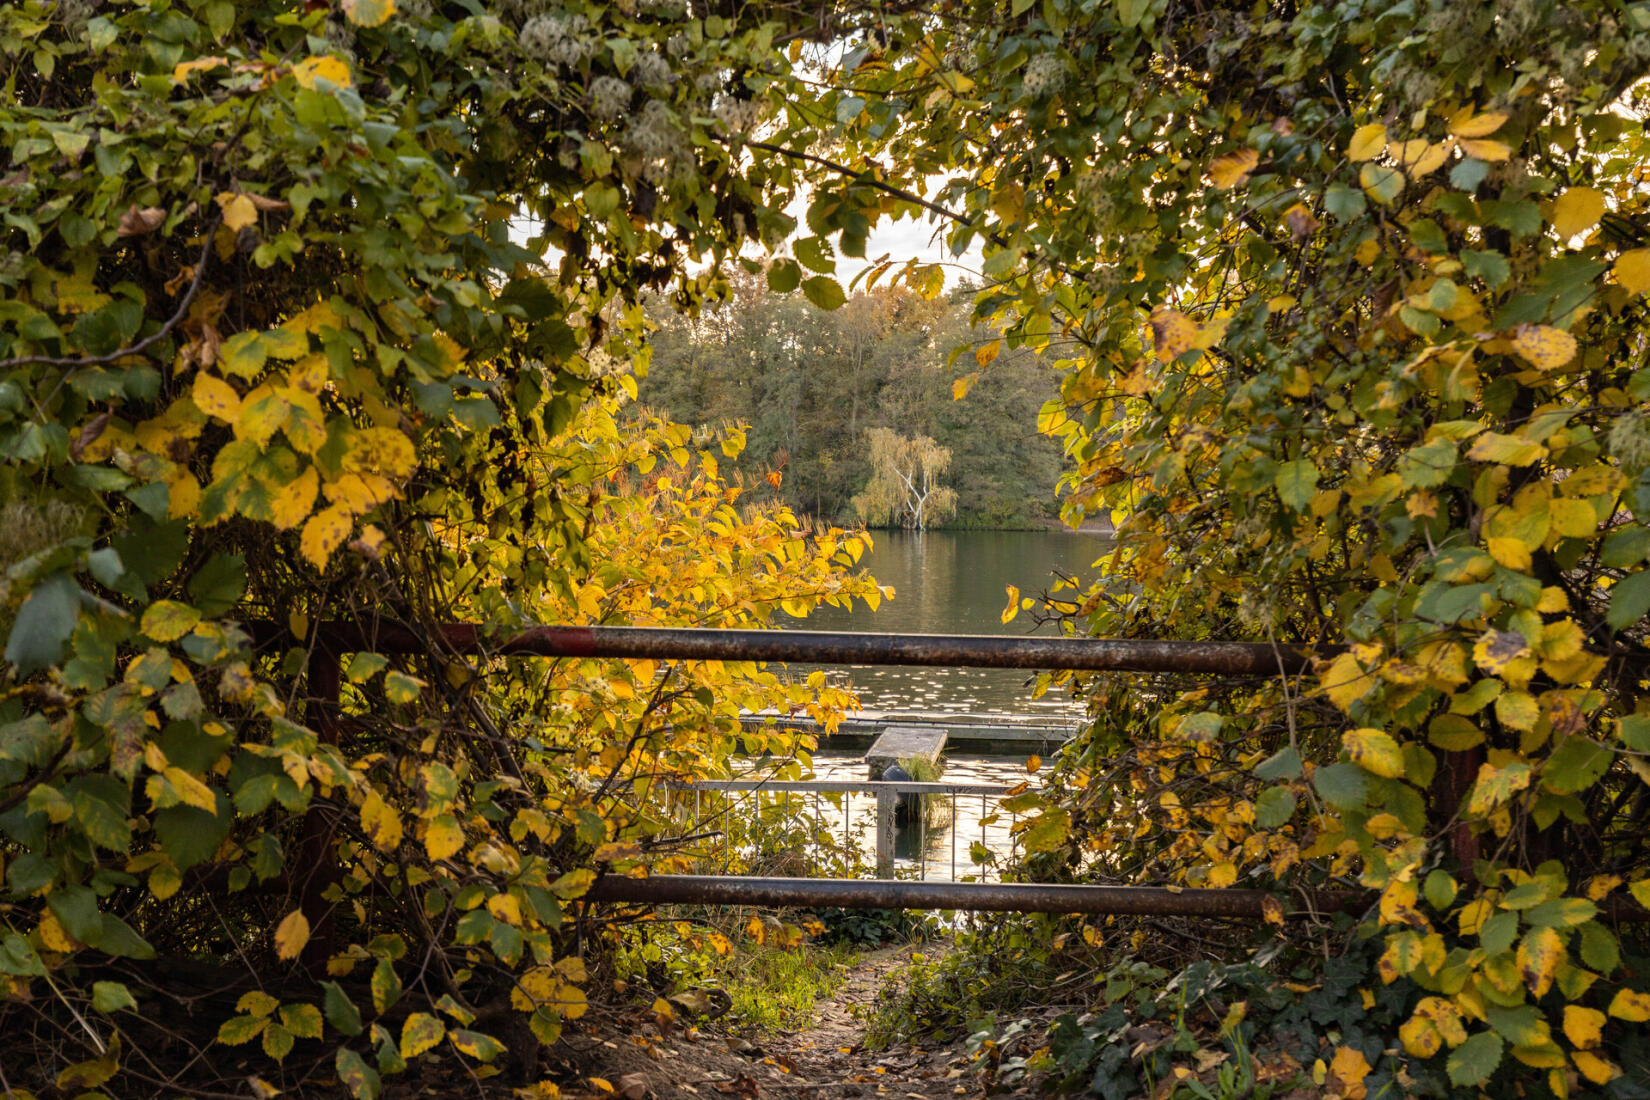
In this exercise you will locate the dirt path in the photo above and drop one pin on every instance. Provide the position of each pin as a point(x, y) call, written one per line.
point(831, 1059)
point(824, 1061)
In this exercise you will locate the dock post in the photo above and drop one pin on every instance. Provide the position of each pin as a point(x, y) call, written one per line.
point(887, 800)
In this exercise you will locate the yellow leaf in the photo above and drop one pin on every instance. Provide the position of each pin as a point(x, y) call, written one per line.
point(183, 69)
point(1577, 210)
point(1583, 1026)
point(1539, 954)
point(1486, 149)
point(1033, 763)
point(1346, 682)
point(1465, 124)
point(381, 451)
point(1599, 1071)
point(1545, 347)
point(1013, 607)
point(325, 67)
point(1573, 519)
point(293, 501)
point(1233, 168)
point(324, 533)
point(1630, 1005)
point(1495, 649)
point(421, 1032)
point(444, 837)
point(1173, 332)
point(191, 789)
point(1508, 450)
point(1633, 270)
point(1420, 156)
point(986, 354)
point(1368, 142)
point(1348, 1069)
point(368, 13)
point(1511, 553)
point(238, 211)
point(1374, 751)
point(382, 824)
point(215, 397)
point(291, 935)
point(360, 493)
point(1221, 875)
point(961, 386)
point(53, 935)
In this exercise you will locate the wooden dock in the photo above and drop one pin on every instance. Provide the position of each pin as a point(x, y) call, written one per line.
point(984, 734)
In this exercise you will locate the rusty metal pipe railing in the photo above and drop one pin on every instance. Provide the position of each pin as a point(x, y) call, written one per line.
point(816, 647)
point(1019, 897)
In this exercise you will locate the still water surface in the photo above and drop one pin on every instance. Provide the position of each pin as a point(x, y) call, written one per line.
point(955, 582)
point(952, 582)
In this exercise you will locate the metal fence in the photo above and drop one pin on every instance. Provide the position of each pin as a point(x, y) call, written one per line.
point(752, 821)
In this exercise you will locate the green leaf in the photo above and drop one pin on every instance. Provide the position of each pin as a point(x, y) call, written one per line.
point(111, 997)
point(1381, 182)
point(1048, 831)
point(1576, 765)
point(364, 666)
point(341, 1011)
point(1629, 601)
point(190, 835)
point(1297, 483)
point(101, 805)
point(217, 586)
point(1440, 889)
point(361, 1079)
point(401, 688)
point(122, 941)
point(75, 908)
point(1473, 1061)
point(43, 625)
point(18, 957)
point(1344, 786)
point(241, 1029)
point(169, 620)
point(824, 292)
point(302, 1020)
point(1498, 933)
point(1343, 203)
point(1561, 913)
point(1599, 948)
point(1274, 807)
point(1281, 765)
point(784, 276)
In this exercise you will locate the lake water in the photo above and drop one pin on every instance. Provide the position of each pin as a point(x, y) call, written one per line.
point(955, 582)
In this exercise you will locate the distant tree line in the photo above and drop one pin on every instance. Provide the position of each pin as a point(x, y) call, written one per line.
point(817, 387)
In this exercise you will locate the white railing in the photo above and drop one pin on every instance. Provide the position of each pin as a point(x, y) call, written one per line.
point(885, 829)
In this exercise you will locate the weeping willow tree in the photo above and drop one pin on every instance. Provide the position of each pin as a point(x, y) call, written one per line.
point(905, 484)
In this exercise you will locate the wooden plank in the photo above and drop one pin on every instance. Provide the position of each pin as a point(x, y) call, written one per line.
point(904, 743)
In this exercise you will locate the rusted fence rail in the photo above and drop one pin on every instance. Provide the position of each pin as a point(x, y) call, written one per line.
point(815, 647)
point(333, 639)
point(1017, 897)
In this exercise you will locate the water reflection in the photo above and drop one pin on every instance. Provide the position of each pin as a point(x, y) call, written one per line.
point(941, 850)
point(954, 582)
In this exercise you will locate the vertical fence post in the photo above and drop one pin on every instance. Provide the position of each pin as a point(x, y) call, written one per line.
point(318, 863)
point(886, 801)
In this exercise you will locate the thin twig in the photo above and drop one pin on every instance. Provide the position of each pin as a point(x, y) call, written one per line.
point(143, 344)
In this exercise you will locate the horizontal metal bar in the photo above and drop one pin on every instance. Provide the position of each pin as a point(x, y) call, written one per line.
point(813, 646)
point(970, 896)
point(843, 786)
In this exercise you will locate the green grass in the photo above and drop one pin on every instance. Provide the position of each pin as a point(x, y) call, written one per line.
point(777, 989)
